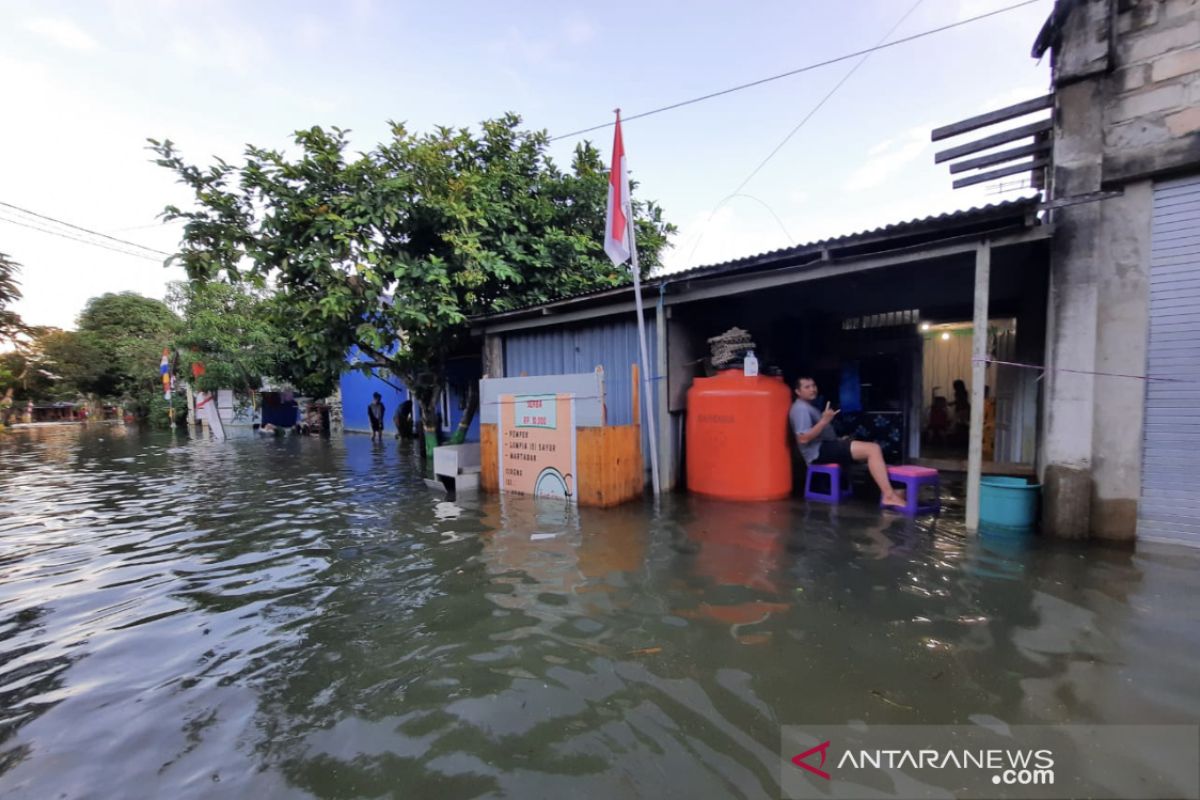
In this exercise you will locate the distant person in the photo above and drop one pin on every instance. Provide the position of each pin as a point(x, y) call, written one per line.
point(962, 405)
point(375, 413)
point(820, 445)
point(403, 420)
point(939, 420)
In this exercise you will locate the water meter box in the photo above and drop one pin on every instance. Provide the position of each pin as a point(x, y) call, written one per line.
point(737, 437)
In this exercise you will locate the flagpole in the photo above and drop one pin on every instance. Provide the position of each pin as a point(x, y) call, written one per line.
point(641, 318)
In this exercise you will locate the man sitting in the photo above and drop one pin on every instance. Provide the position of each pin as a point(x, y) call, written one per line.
point(820, 445)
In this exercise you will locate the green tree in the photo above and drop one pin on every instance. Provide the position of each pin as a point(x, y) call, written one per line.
point(395, 249)
point(227, 329)
point(69, 363)
point(241, 335)
point(124, 335)
point(11, 326)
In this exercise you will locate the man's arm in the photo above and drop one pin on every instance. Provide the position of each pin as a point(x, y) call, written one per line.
point(812, 433)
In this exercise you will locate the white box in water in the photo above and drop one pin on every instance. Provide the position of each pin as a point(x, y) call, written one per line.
point(466, 482)
point(452, 459)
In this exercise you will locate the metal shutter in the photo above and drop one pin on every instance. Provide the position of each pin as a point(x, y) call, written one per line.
point(1170, 504)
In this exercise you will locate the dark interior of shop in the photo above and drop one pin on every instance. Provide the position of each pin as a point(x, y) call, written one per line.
point(859, 335)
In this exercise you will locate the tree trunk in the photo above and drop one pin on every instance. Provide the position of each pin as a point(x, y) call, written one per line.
point(464, 424)
point(428, 397)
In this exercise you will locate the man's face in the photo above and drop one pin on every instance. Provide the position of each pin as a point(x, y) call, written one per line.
point(807, 390)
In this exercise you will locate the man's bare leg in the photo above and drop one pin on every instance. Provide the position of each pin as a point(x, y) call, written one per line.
point(873, 455)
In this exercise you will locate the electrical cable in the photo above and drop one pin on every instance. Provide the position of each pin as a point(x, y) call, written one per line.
point(80, 239)
point(84, 230)
point(799, 70)
point(811, 113)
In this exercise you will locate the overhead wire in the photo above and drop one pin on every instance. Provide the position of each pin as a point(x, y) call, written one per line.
point(799, 70)
point(81, 240)
point(811, 113)
point(125, 242)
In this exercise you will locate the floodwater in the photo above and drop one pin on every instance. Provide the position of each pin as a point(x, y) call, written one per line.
point(303, 618)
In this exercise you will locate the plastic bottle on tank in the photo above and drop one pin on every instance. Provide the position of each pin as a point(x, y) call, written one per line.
point(750, 365)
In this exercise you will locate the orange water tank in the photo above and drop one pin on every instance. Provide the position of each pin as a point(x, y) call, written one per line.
point(737, 437)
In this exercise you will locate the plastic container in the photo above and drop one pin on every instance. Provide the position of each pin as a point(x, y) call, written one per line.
point(1008, 502)
point(750, 365)
point(737, 437)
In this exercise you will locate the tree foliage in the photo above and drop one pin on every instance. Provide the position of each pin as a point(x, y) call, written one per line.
point(393, 250)
point(11, 326)
point(117, 348)
point(241, 335)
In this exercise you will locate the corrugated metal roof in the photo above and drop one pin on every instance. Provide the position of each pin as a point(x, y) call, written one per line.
point(1011, 213)
point(1015, 209)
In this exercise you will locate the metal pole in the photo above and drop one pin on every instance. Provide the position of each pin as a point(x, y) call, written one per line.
point(646, 396)
point(979, 340)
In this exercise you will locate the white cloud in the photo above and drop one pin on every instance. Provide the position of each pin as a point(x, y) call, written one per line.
point(122, 190)
point(516, 46)
point(580, 32)
point(310, 31)
point(222, 45)
point(887, 158)
point(63, 32)
point(724, 235)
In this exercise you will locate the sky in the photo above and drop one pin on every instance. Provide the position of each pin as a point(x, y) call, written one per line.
point(86, 83)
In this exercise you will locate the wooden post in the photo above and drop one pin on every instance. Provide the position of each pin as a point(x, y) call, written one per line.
point(979, 341)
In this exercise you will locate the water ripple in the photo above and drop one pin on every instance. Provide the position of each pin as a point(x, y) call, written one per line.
point(298, 617)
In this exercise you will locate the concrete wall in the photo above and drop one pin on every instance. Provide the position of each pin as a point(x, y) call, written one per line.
point(1126, 111)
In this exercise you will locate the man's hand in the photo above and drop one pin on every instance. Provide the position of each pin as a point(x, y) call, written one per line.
point(829, 413)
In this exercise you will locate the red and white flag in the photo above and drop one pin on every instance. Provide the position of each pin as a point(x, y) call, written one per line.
point(618, 230)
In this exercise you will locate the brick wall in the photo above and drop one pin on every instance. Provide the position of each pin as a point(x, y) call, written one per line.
point(1152, 106)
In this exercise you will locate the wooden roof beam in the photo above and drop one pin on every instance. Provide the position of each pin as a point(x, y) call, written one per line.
point(984, 177)
point(992, 117)
point(988, 142)
point(1035, 149)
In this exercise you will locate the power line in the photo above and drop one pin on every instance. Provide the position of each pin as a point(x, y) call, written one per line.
point(80, 239)
point(811, 113)
point(799, 70)
point(85, 230)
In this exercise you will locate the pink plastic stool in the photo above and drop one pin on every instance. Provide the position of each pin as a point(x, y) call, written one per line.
point(914, 479)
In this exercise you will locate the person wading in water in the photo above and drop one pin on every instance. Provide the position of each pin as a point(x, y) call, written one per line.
point(375, 413)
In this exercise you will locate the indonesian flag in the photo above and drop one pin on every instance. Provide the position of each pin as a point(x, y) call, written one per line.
point(618, 231)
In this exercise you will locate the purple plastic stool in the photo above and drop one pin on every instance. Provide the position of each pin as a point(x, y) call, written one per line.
point(839, 484)
point(914, 479)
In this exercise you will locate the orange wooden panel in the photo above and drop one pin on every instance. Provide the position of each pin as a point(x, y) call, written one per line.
point(608, 459)
point(610, 465)
point(489, 457)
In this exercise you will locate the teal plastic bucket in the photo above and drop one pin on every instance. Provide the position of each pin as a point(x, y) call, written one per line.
point(1008, 502)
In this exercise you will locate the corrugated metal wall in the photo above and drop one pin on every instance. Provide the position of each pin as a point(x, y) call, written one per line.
point(561, 350)
point(1170, 507)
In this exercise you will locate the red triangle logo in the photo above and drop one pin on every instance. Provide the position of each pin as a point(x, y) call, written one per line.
point(802, 764)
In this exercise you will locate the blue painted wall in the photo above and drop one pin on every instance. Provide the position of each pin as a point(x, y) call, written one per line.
point(357, 389)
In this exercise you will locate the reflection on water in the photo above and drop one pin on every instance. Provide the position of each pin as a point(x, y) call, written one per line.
point(298, 617)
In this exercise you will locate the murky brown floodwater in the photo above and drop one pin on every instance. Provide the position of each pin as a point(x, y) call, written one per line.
point(297, 617)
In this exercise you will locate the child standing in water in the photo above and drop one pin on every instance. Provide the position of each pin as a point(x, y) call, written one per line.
point(375, 413)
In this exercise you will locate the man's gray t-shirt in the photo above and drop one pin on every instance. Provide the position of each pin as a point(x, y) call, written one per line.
point(803, 417)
